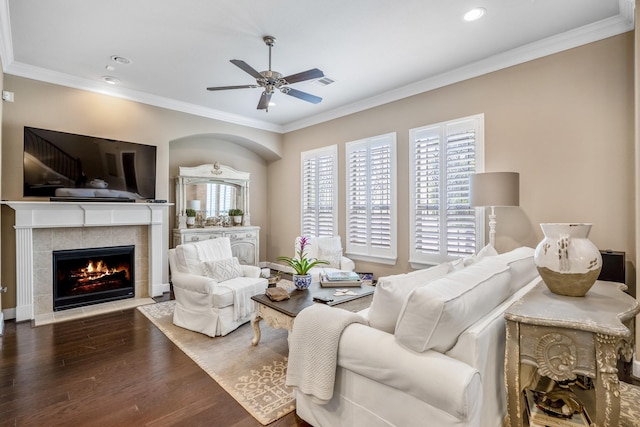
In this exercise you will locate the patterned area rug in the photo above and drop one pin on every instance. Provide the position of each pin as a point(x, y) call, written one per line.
point(253, 376)
point(629, 405)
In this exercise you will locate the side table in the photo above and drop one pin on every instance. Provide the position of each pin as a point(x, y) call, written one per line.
point(561, 337)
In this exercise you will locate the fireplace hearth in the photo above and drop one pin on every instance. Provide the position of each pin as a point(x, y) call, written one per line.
point(92, 275)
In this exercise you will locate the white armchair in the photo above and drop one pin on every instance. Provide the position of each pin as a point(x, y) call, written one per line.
point(328, 249)
point(212, 290)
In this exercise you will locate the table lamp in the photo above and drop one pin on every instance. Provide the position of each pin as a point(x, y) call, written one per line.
point(494, 189)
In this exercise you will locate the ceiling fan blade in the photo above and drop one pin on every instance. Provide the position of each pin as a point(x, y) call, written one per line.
point(232, 87)
point(263, 104)
point(305, 75)
point(301, 95)
point(246, 68)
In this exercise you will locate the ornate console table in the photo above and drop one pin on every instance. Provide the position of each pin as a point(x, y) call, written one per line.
point(561, 337)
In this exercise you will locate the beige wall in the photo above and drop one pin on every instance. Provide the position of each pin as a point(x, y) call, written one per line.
point(564, 122)
point(60, 108)
point(202, 149)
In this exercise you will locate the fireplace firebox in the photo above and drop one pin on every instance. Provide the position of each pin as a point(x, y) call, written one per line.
point(92, 275)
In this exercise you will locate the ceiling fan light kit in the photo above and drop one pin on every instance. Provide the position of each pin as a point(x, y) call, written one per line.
point(272, 80)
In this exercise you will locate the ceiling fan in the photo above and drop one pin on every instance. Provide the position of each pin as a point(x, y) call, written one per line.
point(272, 80)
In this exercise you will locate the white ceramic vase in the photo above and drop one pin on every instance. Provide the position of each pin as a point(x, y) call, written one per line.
point(568, 262)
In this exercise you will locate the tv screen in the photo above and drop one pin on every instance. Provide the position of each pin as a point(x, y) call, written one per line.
point(59, 164)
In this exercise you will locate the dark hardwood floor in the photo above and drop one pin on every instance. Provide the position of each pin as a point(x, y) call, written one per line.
point(114, 369)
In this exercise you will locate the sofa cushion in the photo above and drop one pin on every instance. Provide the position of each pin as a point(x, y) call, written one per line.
point(222, 269)
point(391, 291)
point(433, 316)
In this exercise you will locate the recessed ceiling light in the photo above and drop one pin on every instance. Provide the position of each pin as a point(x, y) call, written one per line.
point(474, 14)
point(121, 60)
point(111, 80)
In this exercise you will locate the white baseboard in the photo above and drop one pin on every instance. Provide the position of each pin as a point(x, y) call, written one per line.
point(9, 313)
point(160, 289)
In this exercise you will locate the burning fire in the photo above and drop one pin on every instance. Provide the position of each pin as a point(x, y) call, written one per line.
point(98, 270)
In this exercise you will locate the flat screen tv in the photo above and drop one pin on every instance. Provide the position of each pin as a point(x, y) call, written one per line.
point(64, 165)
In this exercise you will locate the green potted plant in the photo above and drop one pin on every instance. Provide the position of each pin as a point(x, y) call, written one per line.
point(301, 265)
point(236, 214)
point(191, 217)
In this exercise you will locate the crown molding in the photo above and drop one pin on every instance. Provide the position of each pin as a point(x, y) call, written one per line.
point(610, 27)
point(62, 79)
point(587, 34)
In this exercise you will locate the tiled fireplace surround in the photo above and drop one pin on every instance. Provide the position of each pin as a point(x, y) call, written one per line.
point(43, 227)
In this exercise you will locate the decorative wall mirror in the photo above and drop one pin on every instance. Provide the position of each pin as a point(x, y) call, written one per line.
point(212, 190)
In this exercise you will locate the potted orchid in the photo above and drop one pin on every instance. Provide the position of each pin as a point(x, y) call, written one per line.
point(301, 264)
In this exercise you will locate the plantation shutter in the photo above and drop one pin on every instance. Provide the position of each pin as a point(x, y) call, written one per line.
point(460, 164)
point(319, 192)
point(371, 198)
point(427, 194)
point(443, 157)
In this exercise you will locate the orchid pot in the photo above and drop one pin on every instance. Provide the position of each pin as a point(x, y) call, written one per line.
point(302, 281)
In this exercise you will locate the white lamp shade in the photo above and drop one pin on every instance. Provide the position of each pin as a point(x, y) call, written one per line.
point(494, 189)
point(194, 204)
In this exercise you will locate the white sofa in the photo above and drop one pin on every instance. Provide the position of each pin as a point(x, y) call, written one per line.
point(327, 249)
point(431, 350)
point(212, 290)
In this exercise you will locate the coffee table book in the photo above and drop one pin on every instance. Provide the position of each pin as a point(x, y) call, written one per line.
point(326, 282)
point(539, 418)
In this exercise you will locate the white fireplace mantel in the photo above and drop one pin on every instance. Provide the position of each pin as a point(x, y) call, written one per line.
point(31, 215)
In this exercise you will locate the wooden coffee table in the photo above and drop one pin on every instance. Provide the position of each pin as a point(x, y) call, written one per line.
point(282, 314)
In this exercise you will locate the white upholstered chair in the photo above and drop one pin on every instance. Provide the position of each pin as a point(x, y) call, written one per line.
point(328, 249)
point(212, 290)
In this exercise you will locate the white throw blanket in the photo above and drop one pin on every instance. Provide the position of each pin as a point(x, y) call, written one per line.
point(313, 350)
point(242, 303)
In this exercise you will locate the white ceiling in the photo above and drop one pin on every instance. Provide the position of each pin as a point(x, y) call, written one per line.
point(377, 51)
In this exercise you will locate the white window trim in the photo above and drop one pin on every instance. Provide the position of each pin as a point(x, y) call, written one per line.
point(330, 150)
point(417, 260)
point(360, 253)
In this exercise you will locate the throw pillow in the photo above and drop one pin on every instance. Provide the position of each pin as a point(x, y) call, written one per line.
point(433, 316)
point(391, 291)
point(332, 256)
point(487, 251)
point(521, 265)
point(223, 269)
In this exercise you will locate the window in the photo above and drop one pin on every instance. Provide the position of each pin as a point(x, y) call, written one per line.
point(319, 192)
point(371, 199)
point(443, 226)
